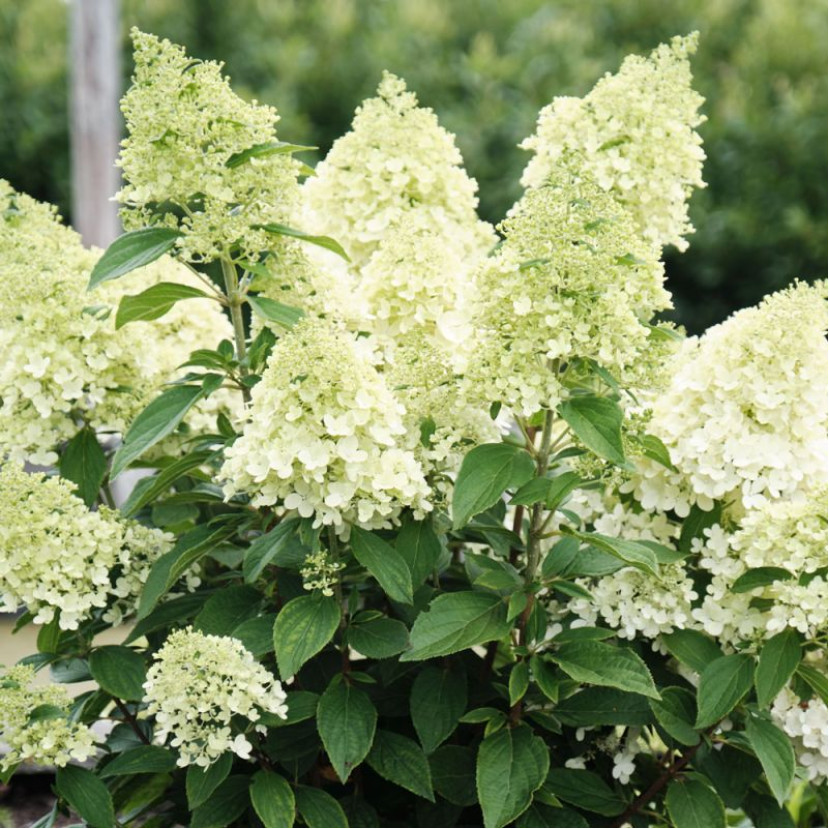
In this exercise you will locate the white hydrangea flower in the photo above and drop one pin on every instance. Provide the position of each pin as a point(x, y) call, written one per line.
point(56, 556)
point(788, 535)
point(397, 169)
point(62, 362)
point(636, 130)
point(807, 725)
point(745, 417)
point(184, 124)
point(48, 740)
point(573, 280)
point(323, 435)
point(197, 684)
point(415, 282)
point(631, 601)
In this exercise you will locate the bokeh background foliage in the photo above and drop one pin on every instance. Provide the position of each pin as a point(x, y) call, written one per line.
point(487, 67)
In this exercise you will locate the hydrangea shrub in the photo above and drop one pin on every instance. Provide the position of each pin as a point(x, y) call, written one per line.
point(436, 523)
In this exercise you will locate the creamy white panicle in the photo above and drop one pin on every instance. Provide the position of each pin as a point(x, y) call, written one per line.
point(397, 168)
point(573, 279)
point(49, 738)
point(197, 684)
point(807, 725)
point(784, 534)
point(323, 435)
point(745, 416)
point(56, 556)
point(636, 130)
point(186, 129)
point(62, 362)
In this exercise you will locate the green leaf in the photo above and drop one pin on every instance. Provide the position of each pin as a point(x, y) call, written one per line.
point(269, 548)
point(225, 804)
point(692, 648)
point(384, 563)
point(141, 760)
point(322, 241)
point(585, 790)
point(420, 548)
point(779, 658)
point(86, 794)
point(437, 702)
point(637, 555)
point(598, 663)
point(148, 489)
point(815, 679)
point(157, 421)
point(692, 803)
point(512, 764)
point(302, 629)
point(227, 608)
point(604, 706)
point(273, 799)
point(83, 462)
point(656, 450)
point(401, 760)
point(760, 577)
point(264, 150)
point(318, 809)
point(119, 671)
point(549, 491)
point(597, 423)
point(539, 814)
point(167, 570)
point(176, 610)
point(256, 634)
point(269, 309)
point(722, 685)
point(519, 681)
point(486, 472)
point(201, 783)
point(453, 774)
point(455, 622)
point(775, 753)
point(153, 303)
point(676, 712)
point(130, 251)
point(346, 720)
point(379, 638)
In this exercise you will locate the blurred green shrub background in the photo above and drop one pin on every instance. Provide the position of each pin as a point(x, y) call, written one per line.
point(486, 67)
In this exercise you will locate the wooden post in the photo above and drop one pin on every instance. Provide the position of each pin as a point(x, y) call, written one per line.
point(95, 88)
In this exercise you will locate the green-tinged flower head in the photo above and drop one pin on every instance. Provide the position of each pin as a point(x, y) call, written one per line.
point(573, 280)
point(185, 124)
point(444, 417)
point(35, 722)
point(745, 416)
point(61, 359)
point(56, 556)
point(782, 534)
point(413, 282)
point(324, 435)
point(636, 131)
point(195, 688)
point(321, 572)
point(396, 168)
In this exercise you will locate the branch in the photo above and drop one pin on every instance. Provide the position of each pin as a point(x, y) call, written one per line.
point(130, 719)
point(669, 774)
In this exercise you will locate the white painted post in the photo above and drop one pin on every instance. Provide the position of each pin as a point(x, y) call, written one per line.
point(95, 88)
